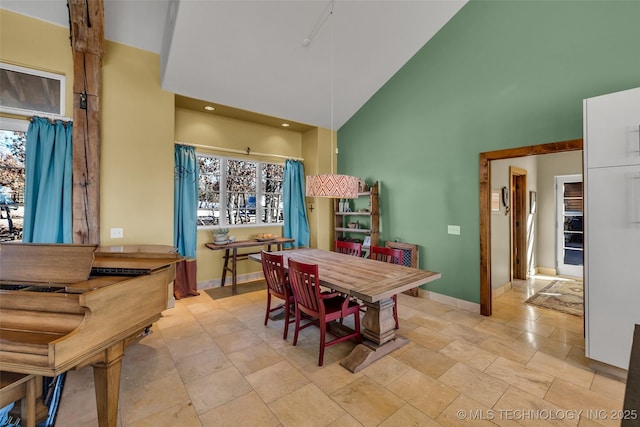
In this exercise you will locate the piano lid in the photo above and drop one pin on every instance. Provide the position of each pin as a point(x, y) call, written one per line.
point(45, 262)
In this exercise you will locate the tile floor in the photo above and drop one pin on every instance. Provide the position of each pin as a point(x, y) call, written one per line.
point(214, 363)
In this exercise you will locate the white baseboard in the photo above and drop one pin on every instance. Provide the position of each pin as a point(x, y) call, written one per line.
point(546, 271)
point(447, 300)
point(496, 292)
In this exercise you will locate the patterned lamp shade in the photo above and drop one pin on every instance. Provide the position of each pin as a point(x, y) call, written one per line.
point(336, 186)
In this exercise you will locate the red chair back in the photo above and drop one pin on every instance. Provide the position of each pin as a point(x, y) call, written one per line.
point(349, 248)
point(305, 284)
point(322, 307)
point(273, 269)
point(390, 255)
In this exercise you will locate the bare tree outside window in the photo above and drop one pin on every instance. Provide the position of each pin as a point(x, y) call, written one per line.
point(238, 192)
point(12, 158)
point(209, 190)
point(241, 192)
point(272, 182)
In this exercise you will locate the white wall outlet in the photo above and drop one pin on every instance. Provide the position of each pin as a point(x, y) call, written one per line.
point(117, 233)
point(453, 229)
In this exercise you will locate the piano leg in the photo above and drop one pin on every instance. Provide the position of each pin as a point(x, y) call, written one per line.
point(106, 375)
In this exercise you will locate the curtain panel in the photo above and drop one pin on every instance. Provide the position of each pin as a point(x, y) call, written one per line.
point(48, 182)
point(296, 224)
point(185, 228)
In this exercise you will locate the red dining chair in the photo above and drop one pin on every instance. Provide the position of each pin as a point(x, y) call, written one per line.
point(277, 286)
point(393, 256)
point(349, 248)
point(323, 307)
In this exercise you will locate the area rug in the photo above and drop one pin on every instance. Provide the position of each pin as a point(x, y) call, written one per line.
point(220, 292)
point(561, 295)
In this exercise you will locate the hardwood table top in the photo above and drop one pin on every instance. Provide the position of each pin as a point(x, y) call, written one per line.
point(250, 243)
point(363, 278)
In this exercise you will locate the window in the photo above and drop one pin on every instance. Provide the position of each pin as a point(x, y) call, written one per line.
point(239, 192)
point(13, 138)
point(26, 91)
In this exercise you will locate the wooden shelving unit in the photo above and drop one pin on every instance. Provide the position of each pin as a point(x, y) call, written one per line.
point(368, 221)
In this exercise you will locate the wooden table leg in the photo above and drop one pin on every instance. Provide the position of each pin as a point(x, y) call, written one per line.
point(224, 269)
point(379, 336)
point(234, 281)
point(28, 404)
point(106, 375)
point(378, 324)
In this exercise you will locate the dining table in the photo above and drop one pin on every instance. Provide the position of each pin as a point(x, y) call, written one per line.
point(373, 283)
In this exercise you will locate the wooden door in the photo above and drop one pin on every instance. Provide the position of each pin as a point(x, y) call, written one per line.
point(518, 223)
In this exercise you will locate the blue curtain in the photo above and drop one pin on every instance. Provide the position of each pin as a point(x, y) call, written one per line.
point(296, 224)
point(185, 230)
point(48, 185)
point(185, 200)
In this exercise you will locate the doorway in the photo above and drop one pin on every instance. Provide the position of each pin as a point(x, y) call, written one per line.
point(485, 205)
point(569, 229)
point(518, 180)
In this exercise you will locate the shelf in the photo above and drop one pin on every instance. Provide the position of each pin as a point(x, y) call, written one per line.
point(353, 230)
point(353, 213)
point(370, 220)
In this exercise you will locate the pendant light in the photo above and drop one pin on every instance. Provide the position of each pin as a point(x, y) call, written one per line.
point(330, 185)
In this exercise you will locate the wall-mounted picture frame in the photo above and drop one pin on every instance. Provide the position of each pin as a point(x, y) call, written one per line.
point(26, 91)
point(532, 202)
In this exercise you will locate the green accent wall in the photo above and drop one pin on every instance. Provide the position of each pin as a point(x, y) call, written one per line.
point(500, 74)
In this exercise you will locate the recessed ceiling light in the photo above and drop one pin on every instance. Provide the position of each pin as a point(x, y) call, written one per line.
point(285, 125)
point(209, 108)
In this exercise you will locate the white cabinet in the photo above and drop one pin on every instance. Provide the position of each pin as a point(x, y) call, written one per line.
point(612, 129)
point(612, 225)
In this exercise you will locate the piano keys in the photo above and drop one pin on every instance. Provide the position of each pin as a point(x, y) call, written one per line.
point(67, 306)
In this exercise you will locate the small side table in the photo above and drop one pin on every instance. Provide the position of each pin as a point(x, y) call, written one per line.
point(231, 253)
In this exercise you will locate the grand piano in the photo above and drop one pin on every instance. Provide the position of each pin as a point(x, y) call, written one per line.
point(64, 306)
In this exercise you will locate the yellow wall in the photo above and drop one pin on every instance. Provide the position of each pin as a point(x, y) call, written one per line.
point(34, 44)
point(318, 148)
point(201, 128)
point(136, 187)
point(139, 125)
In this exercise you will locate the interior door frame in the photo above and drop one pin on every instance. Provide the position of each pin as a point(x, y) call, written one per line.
point(485, 205)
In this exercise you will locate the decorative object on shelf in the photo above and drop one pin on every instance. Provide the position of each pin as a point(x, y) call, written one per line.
point(265, 237)
point(220, 235)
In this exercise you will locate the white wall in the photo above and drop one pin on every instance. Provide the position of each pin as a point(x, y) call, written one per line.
point(541, 170)
point(549, 166)
point(500, 223)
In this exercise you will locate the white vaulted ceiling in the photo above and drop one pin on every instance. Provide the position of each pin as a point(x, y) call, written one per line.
point(252, 55)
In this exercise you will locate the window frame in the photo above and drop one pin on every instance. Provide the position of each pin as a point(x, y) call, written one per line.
point(45, 75)
point(259, 193)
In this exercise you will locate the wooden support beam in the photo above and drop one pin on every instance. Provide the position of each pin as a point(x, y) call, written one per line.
point(87, 41)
